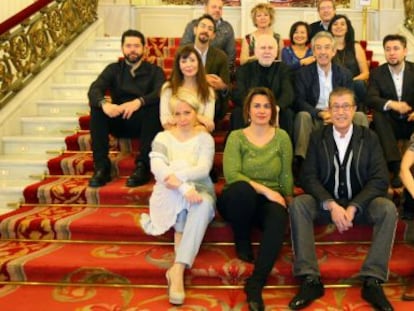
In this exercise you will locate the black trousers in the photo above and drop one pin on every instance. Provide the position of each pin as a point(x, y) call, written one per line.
point(286, 117)
point(408, 206)
point(390, 129)
point(144, 124)
point(243, 208)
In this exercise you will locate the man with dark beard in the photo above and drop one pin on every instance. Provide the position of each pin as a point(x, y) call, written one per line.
point(131, 110)
point(391, 95)
point(224, 34)
point(215, 63)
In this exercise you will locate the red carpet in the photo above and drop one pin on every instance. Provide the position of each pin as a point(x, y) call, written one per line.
point(70, 298)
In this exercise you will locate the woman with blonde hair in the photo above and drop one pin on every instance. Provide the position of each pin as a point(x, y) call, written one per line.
point(183, 196)
point(188, 73)
point(263, 17)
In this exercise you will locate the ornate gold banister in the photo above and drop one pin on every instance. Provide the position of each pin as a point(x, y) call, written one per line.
point(26, 48)
point(409, 15)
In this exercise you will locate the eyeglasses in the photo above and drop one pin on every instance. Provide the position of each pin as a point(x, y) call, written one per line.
point(345, 107)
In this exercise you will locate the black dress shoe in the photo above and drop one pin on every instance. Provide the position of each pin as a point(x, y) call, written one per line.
point(253, 292)
point(373, 293)
point(139, 177)
point(244, 250)
point(100, 177)
point(310, 289)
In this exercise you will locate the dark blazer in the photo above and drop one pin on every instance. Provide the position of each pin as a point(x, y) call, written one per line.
point(217, 63)
point(368, 164)
point(315, 27)
point(307, 88)
point(251, 75)
point(381, 87)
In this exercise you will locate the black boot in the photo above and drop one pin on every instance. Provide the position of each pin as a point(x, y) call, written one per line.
point(373, 293)
point(140, 176)
point(310, 289)
point(101, 176)
point(244, 250)
point(253, 290)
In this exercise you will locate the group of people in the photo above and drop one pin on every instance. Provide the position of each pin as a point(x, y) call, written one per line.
point(297, 104)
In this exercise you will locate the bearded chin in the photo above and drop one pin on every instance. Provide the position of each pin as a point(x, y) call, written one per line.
point(133, 60)
point(395, 64)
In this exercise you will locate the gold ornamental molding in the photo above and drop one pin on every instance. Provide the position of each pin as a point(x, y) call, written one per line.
point(26, 49)
point(409, 15)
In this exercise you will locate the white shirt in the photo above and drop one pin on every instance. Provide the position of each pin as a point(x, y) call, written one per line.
point(397, 78)
point(202, 55)
point(325, 87)
point(342, 142)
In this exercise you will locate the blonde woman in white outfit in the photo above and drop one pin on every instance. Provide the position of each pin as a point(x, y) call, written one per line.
point(183, 196)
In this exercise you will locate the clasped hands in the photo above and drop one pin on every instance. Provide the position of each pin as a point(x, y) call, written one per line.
point(192, 195)
point(341, 217)
point(126, 109)
point(403, 108)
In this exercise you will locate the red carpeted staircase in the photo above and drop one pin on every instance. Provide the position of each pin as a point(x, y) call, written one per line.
point(84, 248)
point(71, 247)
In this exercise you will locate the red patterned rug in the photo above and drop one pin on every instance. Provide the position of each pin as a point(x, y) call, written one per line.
point(145, 263)
point(86, 298)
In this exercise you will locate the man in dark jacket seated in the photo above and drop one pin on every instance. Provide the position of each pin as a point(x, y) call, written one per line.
point(345, 181)
point(132, 110)
point(266, 72)
point(313, 85)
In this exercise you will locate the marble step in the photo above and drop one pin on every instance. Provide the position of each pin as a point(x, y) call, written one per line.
point(65, 90)
point(49, 126)
point(108, 42)
point(377, 51)
point(62, 107)
point(98, 52)
point(11, 194)
point(32, 144)
point(86, 76)
point(85, 63)
point(24, 167)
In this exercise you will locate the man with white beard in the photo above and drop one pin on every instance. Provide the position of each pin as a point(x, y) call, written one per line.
point(265, 72)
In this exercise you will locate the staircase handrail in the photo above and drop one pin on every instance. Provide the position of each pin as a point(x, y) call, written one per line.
point(32, 38)
point(19, 17)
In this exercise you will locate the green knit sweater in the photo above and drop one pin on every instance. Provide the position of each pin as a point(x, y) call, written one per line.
point(269, 165)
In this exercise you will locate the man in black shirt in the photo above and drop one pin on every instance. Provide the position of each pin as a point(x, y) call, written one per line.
point(131, 110)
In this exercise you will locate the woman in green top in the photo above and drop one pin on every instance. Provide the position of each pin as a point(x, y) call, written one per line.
point(257, 168)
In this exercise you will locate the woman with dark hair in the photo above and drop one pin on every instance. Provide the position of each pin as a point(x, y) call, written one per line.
point(298, 53)
point(257, 165)
point(188, 73)
point(350, 54)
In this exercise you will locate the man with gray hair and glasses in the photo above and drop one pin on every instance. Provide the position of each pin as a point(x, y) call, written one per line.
point(345, 181)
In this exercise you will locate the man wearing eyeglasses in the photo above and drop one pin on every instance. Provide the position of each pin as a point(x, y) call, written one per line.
point(313, 85)
point(345, 181)
point(224, 38)
point(215, 63)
